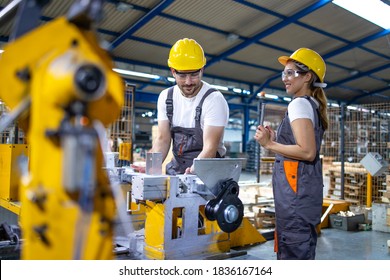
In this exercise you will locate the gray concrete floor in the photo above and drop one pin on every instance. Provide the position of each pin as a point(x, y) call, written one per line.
point(333, 244)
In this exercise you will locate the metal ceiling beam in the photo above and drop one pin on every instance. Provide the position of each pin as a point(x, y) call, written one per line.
point(269, 31)
point(148, 11)
point(358, 44)
point(219, 31)
point(243, 38)
point(225, 33)
point(156, 66)
point(304, 25)
point(248, 98)
point(361, 74)
point(141, 22)
point(116, 34)
point(264, 85)
point(228, 95)
point(371, 93)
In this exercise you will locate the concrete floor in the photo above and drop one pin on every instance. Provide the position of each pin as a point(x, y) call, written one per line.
point(333, 244)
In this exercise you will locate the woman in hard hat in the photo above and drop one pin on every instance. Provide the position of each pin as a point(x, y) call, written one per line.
point(297, 176)
point(191, 113)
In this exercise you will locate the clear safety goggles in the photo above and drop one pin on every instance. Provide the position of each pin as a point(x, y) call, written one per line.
point(290, 73)
point(192, 75)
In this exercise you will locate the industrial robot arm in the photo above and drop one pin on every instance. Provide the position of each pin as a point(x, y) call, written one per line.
point(63, 82)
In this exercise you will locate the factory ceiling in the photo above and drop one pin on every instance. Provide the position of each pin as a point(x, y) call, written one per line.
point(242, 41)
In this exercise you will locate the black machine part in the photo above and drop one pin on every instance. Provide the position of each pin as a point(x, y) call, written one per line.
point(226, 208)
point(10, 233)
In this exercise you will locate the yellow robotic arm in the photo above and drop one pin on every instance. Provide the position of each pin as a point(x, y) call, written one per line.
point(64, 81)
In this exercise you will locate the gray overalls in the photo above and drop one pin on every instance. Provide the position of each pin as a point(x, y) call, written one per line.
point(298, 193)
point(187, 142)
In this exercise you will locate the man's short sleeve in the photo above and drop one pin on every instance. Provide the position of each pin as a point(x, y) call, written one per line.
point(161, 106)
point(216, 110)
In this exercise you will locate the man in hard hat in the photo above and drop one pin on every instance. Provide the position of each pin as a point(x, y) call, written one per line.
point(297, 178)
point(192, 115)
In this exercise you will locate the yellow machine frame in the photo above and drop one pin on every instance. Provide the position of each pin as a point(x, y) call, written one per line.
point(10, 175)
point(39, 70)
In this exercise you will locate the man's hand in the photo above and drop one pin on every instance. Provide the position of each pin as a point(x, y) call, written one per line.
point(190, 170)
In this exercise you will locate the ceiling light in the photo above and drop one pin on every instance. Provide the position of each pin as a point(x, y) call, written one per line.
point(375, 11)
point(354, 72)
point(136, 74)
point(220, 87)
point(231, 37)
point(124, 7)
point(271, 96)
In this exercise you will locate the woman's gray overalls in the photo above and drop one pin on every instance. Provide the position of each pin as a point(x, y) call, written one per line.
point(187, 142)
point(298, 193)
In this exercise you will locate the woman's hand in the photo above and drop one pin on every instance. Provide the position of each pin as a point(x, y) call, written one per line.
point(264, 135)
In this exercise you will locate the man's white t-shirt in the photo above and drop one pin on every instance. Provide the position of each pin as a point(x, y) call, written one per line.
point(300, 108)
point(215, 110)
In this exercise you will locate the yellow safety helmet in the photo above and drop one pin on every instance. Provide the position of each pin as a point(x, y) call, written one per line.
point(186, 54)
point(309, 58)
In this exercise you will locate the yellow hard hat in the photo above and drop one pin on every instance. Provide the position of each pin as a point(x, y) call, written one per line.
point(186, 54)
point(309, 58)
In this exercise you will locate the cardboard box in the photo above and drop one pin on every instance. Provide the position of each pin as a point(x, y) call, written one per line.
point(346, 223)
point(386, 194)
point(263, 220)
point(375, 164)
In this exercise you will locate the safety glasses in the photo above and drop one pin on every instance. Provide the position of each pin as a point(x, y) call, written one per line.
point(290, 73)
point(192, 75)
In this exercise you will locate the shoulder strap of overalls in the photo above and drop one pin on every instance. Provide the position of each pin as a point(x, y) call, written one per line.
point(169, 105)
point(317, 118)
point(199, 107)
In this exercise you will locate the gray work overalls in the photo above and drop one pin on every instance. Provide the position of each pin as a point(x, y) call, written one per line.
point(187, 142)
point(298, 193)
